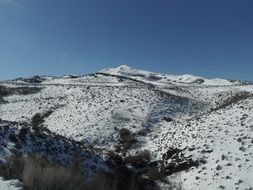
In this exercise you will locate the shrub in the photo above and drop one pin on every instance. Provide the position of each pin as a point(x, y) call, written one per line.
point(13, 137)
point(140, 159)
point(22, 134)
point(3, 91)
point(39, 118)
point(167, 119)
point(127, 138)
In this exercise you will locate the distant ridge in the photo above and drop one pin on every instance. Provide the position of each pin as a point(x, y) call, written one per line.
point(127, 71)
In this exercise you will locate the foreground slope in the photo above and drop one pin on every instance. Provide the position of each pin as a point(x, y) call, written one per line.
point(209, 120)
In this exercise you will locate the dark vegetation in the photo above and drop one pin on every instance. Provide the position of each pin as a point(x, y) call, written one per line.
point(233, 100)
point(167, 119)
point(172, 161)
point(126, 140)
point(39, 118)
point(178, 162)
point(7, 91)
point(124, 178)
point(32, 80)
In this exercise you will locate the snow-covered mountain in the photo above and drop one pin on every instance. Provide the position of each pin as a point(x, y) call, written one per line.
point(199, 130)
point(163, 79)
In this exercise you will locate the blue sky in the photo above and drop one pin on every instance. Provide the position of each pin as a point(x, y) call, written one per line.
point(212, 38)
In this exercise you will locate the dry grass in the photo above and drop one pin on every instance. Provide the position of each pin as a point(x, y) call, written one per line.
point(40, 175)
point(37, 173)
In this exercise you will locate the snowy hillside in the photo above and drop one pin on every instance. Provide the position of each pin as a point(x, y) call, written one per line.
point(199, 131)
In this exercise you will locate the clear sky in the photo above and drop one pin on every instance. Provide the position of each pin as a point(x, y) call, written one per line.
point(212, 38)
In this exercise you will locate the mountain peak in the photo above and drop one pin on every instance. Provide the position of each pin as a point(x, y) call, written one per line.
point(118, 69)
point(122, 67)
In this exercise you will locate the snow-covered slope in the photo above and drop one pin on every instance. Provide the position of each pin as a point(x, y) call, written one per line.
point(222, 138)
point(210, 120)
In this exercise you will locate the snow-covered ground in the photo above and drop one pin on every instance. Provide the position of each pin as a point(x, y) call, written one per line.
point(212, 119)
point(10, 185)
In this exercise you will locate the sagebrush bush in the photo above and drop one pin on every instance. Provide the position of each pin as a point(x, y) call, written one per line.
point(127, 138)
